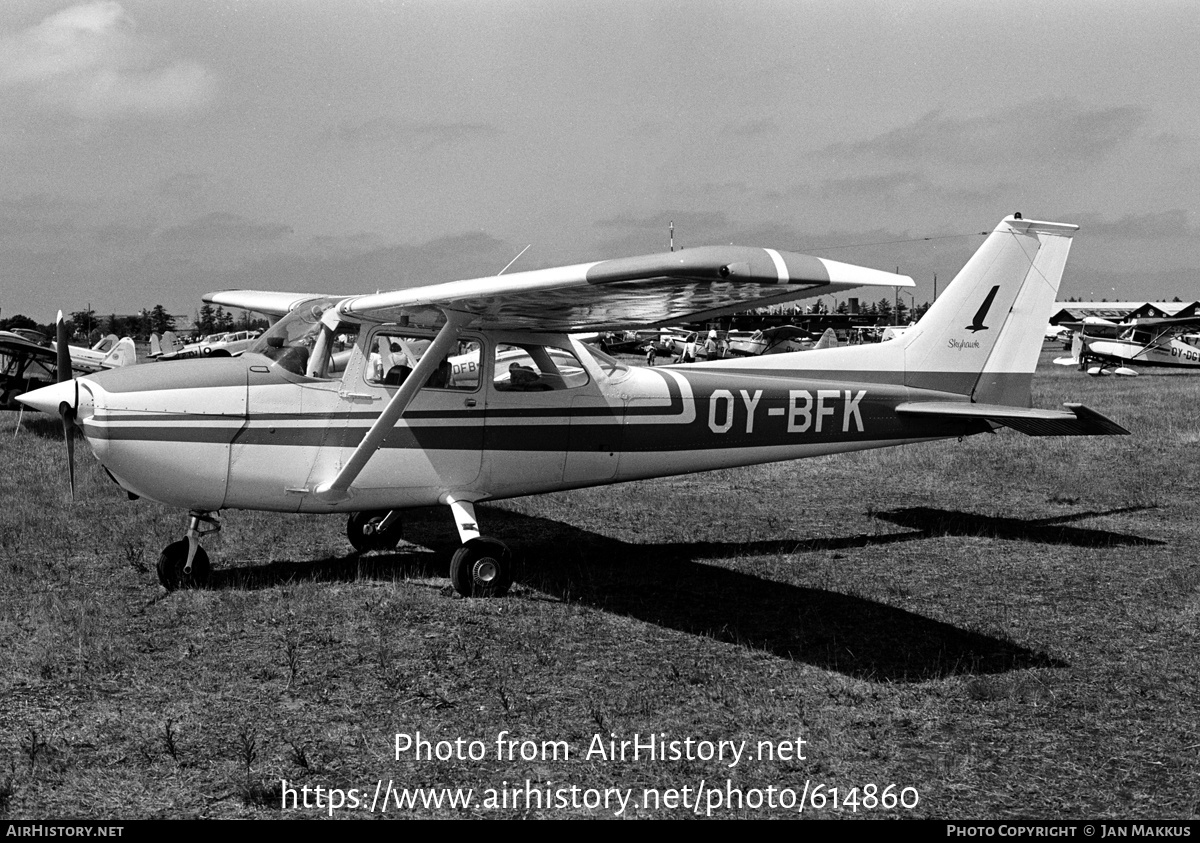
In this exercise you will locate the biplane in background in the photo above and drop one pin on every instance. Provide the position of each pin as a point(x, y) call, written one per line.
point(29, 361)
point(295, 425)
point(1166, 342)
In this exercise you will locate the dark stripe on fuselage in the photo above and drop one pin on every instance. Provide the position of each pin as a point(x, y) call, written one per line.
point(812, 413)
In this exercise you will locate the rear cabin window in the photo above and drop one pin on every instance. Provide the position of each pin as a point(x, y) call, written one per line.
point(394, 356)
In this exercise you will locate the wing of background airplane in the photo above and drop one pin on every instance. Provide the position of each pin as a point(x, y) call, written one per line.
point(11, 343)
point(1166, 323)
point(18, 348)
point(639, 292)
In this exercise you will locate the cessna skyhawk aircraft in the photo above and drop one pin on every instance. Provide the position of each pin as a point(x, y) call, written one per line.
point(475, 390)
point(1166, 342)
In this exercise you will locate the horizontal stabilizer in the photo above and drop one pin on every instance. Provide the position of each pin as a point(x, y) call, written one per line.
point(1080, 421)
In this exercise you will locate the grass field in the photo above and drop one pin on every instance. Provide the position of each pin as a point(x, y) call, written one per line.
point(997, 628)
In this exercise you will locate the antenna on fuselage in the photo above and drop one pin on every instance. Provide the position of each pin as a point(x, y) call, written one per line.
point(514, 260)
point(672, 239)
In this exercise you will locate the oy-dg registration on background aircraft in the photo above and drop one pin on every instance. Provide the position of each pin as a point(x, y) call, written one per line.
point(475, 390)
point(1167, 342)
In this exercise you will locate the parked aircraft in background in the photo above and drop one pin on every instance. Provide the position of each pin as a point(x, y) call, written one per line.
point(296, 426)
point(1165, 342)
point(228, 344)
point(29, 360)
point(779, 340)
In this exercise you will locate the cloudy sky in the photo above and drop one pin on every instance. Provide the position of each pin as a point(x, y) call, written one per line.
point(154, 150)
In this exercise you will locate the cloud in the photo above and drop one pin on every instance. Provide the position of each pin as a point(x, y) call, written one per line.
point(224, 228)
point(1156, 225)
point(90, 61)
point(1061, 128)
point(767, 127)
point(658, 222)
point(421, 136)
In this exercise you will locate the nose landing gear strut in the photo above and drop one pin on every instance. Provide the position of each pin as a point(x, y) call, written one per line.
point(184, 564)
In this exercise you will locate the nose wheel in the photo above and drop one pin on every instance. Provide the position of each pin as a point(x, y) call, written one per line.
point(173, 570)
point(184, 564)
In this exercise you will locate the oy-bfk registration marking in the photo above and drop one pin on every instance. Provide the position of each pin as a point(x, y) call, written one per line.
point(804, 410)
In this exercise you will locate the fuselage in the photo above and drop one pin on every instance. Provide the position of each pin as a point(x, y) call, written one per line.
point(251, 432)
point(1173, 353)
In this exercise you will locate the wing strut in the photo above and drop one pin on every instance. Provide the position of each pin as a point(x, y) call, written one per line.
point(338, 489)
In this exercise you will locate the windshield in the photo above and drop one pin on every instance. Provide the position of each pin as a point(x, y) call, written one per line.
point(299, 342)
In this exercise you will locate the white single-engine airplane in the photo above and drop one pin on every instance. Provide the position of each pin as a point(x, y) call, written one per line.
point(1168, 342)
point(297, 425)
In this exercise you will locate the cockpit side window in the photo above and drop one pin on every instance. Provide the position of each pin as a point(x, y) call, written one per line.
point(532, 367)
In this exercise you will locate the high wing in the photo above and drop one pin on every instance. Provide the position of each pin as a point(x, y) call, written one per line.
point(1161, 325)
point(660, 289)
point(14, 344)
point(1166, 323)
point(269, 303)
point(611, 295)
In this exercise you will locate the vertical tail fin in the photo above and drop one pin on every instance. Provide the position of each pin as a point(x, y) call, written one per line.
point(983, 336)
point(106, 343)
point(123, 354)
point(980, 339)
point(827, 340)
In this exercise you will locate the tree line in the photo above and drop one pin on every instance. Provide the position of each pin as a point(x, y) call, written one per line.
point(87, 325)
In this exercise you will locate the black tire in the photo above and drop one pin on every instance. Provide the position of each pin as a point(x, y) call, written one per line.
point(172, 561)
point(482, 568)
point(362, 531)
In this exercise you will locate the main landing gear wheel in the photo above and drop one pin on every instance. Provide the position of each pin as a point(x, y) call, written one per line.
point(372, 530)
point(482, 568)
point(173, 560)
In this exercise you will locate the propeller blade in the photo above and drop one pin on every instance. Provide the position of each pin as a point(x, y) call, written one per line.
point(64, 350)
point(66, 411)
point(68, 420)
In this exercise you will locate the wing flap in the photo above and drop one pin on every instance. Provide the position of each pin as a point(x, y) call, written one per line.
point(1080, 421)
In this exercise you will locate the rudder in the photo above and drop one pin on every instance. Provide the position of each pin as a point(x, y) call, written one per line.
point(983, 336)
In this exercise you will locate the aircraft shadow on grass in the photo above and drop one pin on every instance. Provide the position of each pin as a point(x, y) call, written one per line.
point(940, 522)
point(668, 585)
